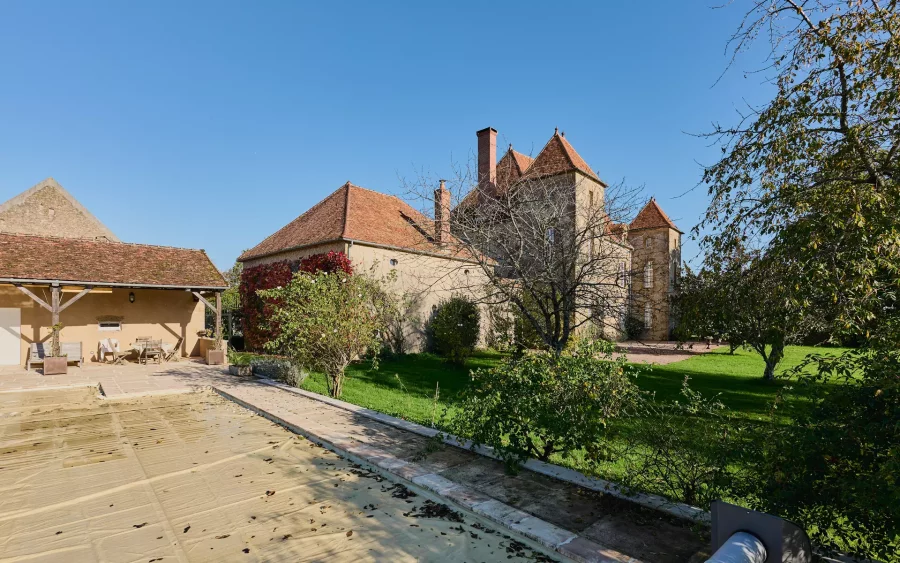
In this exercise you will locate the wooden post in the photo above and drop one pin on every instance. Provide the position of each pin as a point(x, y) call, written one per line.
point(54, 312)
point(219, 316)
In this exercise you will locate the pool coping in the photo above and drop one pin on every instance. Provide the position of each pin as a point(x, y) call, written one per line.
point(646, 500)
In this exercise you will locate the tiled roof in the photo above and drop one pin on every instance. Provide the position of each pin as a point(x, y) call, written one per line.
point(511, 167)
point(30, 257)
point(559, 156)
point(556, 157)
point(357, 214)
point(651, 217)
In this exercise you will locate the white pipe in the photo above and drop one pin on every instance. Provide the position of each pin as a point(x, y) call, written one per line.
point(741, 547)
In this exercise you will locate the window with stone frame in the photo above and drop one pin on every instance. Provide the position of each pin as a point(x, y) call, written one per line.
point(648, 316)
point(648, 275)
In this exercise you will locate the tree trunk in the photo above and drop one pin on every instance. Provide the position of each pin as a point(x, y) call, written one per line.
point(335, 384)
point(772, 361)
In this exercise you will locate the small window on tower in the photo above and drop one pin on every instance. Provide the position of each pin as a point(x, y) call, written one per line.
point(393, 261)
point(648, 242)
point(648, 275)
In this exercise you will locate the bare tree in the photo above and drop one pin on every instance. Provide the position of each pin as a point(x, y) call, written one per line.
point(553, 247)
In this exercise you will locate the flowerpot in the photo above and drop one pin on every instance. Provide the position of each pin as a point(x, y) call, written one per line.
point(215, 357)
point(243, 371)
point(56, 365)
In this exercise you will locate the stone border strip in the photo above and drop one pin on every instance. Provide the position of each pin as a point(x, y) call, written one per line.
point(563, 542)
point(654, 502)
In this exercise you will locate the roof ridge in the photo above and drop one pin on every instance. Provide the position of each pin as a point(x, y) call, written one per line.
point(112, 242)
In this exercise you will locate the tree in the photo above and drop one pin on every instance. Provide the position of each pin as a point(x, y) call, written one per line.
point(326, 321)
point(547, 252)
point(455, 328)
point(811, 179)
point(740, 299)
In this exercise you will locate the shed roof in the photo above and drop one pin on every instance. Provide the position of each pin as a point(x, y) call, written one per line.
point(82, 261)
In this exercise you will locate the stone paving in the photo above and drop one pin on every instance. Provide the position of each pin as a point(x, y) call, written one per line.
point(121, 380)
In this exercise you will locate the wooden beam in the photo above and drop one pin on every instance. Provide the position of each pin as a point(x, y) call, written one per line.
point(75, 298)
point(204, 301)
point(39, 301)
point(219, 316)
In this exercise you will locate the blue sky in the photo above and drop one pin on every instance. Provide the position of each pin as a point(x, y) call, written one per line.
point(212, 124)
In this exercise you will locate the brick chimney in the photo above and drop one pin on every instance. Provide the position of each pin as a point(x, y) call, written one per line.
point(487, 156)
point(442, 214)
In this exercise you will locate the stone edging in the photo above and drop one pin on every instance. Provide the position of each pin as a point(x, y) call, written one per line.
point(565, 543)
point(654, 502)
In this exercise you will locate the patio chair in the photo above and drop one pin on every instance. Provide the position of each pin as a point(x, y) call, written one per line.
point(152, 349)
point(175, 353)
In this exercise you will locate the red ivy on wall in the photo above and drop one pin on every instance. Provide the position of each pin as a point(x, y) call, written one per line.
point(257, 329)
point(331, 263)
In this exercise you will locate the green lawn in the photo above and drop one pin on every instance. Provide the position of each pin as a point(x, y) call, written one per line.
point(405, 387)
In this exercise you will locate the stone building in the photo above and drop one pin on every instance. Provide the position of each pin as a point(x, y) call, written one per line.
point(646, 251)
point(656, 259)
point(386, 238)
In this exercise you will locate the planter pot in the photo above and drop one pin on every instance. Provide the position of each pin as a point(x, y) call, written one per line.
point(243, 371)
point(215, 357)
point(56, 366)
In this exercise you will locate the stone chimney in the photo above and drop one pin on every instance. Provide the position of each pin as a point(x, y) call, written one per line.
point(487, 156)
point(442, 214)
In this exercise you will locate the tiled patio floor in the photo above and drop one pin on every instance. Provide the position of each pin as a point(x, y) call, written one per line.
point(121, 380)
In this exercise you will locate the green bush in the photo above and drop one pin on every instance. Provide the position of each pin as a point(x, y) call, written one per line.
point(687, 449)
point(455, 328)
point(634, 328)
point(543, 404)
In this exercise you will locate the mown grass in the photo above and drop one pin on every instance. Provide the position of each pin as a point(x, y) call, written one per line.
point(405, 387)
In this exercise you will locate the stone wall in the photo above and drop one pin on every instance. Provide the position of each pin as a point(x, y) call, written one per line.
point(48, 210)
point(660, 247)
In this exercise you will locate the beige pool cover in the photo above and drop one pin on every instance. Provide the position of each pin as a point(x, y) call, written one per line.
point(193, 477)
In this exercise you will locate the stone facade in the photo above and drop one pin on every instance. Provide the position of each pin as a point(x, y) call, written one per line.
point(47, 209)
point(656, 260)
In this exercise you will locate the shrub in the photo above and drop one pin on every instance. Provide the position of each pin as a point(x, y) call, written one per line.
point(326, 321)
point(455, 328)
point(396, 312)
point(279, 368)
point(256, 311)
point(634, 328)
point(543, 404)
point(685, 450)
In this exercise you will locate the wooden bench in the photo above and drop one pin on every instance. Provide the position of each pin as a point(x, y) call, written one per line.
point(72, 351)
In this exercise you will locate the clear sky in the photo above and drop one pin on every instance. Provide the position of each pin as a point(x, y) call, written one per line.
point(212, 124)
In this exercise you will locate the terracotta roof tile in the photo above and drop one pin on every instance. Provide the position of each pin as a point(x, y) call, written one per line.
point(82, 260)
point(358, 214)
point(559, 156)
point(651, 217)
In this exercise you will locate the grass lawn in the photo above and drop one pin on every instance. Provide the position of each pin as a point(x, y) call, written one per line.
point(405, 387)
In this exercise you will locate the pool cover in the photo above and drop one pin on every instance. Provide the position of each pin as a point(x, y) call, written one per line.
point(193, 477)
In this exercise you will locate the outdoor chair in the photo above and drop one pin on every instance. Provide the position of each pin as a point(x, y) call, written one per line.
point(174, 353)
point(152, 349)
